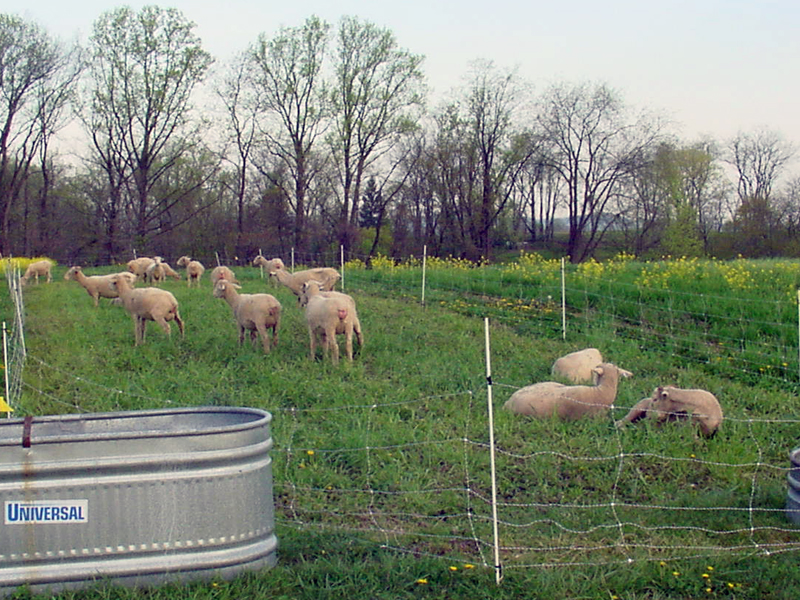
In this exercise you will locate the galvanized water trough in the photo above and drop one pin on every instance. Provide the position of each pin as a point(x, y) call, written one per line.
point(139, 497)
point(793, 496)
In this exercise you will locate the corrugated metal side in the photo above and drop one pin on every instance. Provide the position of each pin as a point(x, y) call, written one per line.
point(150, 507)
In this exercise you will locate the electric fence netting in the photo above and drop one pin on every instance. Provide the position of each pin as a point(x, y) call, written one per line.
point(438, 481)
point(14, 341)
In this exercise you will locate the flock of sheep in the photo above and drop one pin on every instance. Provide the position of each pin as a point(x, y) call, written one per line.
point(570, 402)
point(330, 313)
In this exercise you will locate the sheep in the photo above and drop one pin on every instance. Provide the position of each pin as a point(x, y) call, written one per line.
point(254, 312)
point(671, 403)
point(194, 269)
point(139, 266)
point(221, 272)
point(329, 313)
point(37, 269)
point(155, 272)
point(170, 272)
point(98, 286)
point(147, 304)
point(326, 276)
point(548, 398)
point(577, 366)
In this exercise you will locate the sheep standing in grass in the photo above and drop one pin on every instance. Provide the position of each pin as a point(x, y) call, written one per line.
point(147, 304)
point(98, 286)
point(36, 269)
point(328, 314)
point(222, 272)
point(569, 402)
point(139, 266)
point(155, 272)
point(194, 269)
point(671, 404)
point(256, 313)
point(326, 276)
point(577, 366)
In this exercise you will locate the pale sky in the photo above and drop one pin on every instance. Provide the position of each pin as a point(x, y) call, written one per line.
point(715, 67)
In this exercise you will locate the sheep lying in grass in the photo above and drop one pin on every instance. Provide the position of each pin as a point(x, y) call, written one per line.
point(577, 366)
point(671, 404)
point(326, 276)
point(328, 314)
point(569, 402)
point(139, 266)
point(253, 312)
point(194, 269)
point(222, 272)
point(36, 269)
point(147, 304)
point(98, 286)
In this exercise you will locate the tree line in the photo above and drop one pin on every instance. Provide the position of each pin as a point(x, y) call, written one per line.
point(322, 137)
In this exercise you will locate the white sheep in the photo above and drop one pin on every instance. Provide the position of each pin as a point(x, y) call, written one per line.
point(36, 269)
point(222, 272)
point(194, 269)
point(569, 402)
point(170, 272)
point(98, 286)
point(671, 404)
point(329, 314)
point(139, 266)
point(253, 312)
point(147, 304)
point(577, 366)
point(326, 276)
point(155, 272)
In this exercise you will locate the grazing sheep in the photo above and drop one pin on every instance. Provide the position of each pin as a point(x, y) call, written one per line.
point(254, 312)
point(221, 272)
point(569, 402)
point(328, 314)
point(577, 366)
point(670, 404)
point(326, 276)
point(155, 273)
point(139, 266)
point(194, 269)
point(37, 269)
point(98, 286)
point(147, 304)
point(170, 272)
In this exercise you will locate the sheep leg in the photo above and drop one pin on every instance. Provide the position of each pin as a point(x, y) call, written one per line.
point(262, 332)
point(241, 335)
point(179, 321)
point(313, 343)
point(348, 337)
point(164, 325)
point(333, 346)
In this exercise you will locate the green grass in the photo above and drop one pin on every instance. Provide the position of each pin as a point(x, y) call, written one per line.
point(381, 467)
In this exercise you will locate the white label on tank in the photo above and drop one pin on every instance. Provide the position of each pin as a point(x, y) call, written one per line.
point(46, 511)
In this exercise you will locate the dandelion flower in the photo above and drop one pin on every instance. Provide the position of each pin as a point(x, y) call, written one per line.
point(469, 566)
point(422, 581)
point(676, 573)
point(706, 575)
point(453, 568)
point(310, 452)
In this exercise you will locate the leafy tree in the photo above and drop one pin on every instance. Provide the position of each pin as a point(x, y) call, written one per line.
point(33, 86)
point(377, 96)
point(287, 76)
point(144, 68)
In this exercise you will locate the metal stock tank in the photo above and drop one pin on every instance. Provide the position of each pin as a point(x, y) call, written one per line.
point(139, 498)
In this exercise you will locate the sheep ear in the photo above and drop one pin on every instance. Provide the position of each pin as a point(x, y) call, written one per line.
point(625, 373)
point(598, 369)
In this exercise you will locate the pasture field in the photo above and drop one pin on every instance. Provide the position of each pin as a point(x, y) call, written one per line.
point(382, 467)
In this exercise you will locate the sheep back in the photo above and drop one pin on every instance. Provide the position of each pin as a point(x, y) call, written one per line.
point(577, 366)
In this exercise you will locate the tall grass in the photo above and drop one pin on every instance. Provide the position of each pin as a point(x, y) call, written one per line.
point(381, 467)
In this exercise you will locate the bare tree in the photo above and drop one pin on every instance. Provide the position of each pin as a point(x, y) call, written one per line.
point(596, 147)
point(758, 158)
point(378, 95)
point(144, 67)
